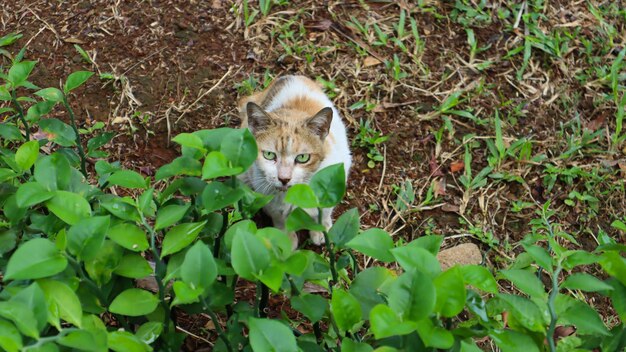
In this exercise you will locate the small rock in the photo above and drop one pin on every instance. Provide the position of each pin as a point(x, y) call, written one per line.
point(463, 254)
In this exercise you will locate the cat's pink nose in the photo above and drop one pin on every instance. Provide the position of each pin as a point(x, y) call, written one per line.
point(284, 181)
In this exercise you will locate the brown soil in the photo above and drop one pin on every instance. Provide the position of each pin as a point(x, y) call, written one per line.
point(170, 52)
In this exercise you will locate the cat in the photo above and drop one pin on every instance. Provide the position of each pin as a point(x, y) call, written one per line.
point(298, 132)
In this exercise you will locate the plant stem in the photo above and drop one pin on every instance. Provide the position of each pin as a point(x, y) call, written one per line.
point(88, 281)
point(96, 289)
point(218, 327)
point(42, 341)
point(81, 151)
point(160, 269)
point(20, 112)
point(552, 309)
point(262, 296)
point(331, 254)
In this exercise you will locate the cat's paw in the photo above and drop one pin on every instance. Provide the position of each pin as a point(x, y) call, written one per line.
point(294, 239)
point(317, 238)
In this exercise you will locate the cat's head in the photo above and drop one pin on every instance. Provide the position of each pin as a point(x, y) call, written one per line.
point(290, 143)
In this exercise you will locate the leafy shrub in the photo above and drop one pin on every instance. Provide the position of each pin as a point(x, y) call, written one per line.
point(71, 252)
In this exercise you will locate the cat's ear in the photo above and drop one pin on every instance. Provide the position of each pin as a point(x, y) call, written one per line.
point(258, 120)
point(320, 123)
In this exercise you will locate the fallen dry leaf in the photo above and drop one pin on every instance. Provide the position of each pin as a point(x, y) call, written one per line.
point(457, 166)
point(439, 188)
point(73, 40)
point(451, 208)
point(370, 61)
point(435, 170)
point(596, 123)
point(319, 25)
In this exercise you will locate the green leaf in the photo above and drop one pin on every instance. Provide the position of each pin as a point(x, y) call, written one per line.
point(513, 341)
point(6, 175)
point(411, 257)
point(81, 340)
point(58, 131)
point(526, 282)
point(50, 94)
point(614, 265)
point(431, 243)
point(375, 243)
point(75, 80)
point(53, 172)
point(346, 309)
point(34, 298)
point(62, 299)
point(199, 269)
point(19, 72)
point(22, 316)
point(217, 195)
point(345, 228)
point(586, 320)
point(10, 39)
point(585, 282)
point(451, 292)
point(413, 296)
point(189, 140)
point(27, 154)
point(133, 266)
point(541, 256)
point(182, 165)
point(124, 341)
point(216, 165)
point(10, 337)
point(180, 236)
point(312, 306)
point(134, 302)
point(185, 294)
point(434, 336)
point(150, 331)
point(525, 311)
point(10, 132)
point(385, 323)
point(121, 208)
point(86, 237)
point(479, 277)
point(249, 256)
point(128, 179)
point(271, 335)
point(69, 207)
point(368, 287)
point(35, 259)
point(31, 193)
point(169, 215)
point(301, 195)
point(239, 147)
point(272, 277)
point(348, 345)
point(329, 185)
point(301, 220)
point(618, 297)
point(129, 236)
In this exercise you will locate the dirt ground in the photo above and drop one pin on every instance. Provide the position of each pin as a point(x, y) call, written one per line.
point(180, 66)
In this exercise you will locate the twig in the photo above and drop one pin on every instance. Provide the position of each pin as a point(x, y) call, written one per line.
point(194, 335)
point(81, 151)
point(188, 108)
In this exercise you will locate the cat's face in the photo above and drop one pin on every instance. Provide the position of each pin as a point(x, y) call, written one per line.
point(291, 145)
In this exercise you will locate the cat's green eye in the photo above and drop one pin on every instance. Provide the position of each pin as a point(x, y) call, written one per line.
point(269, 155)
point(303, 158)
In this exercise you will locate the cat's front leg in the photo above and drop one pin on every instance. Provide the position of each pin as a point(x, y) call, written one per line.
point(317, 237)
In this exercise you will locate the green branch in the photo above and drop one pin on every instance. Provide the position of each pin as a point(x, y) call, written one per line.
point(81, 151)
point(20, 113)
